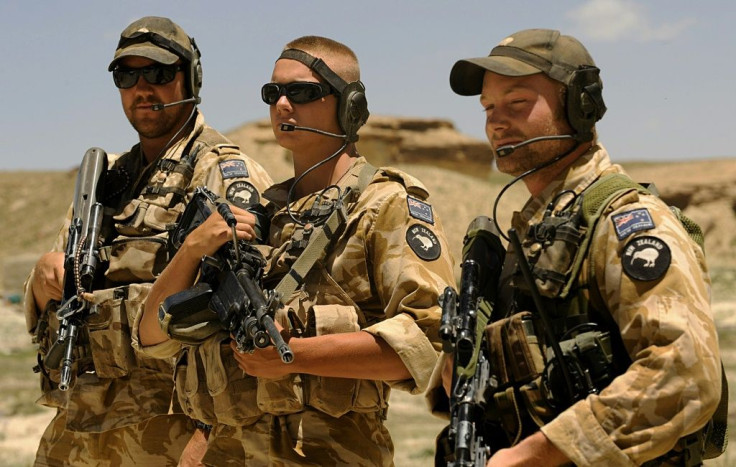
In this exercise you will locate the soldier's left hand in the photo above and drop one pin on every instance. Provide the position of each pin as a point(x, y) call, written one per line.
point(263, 363)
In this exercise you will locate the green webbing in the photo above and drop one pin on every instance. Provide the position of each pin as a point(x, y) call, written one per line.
point(595, 200)
point(483, 315)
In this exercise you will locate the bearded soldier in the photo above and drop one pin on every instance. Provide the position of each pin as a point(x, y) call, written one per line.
point(605, 353)
point(118, 410)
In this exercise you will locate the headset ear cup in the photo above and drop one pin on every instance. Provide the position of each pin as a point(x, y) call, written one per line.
point(196, 78)
point(353, 110)
point(585, 102)
point(195, 69)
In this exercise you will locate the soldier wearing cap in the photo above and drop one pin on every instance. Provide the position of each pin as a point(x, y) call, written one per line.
point(639, 295)
point(119, 408)
point(361, 317)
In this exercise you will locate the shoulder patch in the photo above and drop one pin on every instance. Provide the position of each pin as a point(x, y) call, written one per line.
point(420, 210)
point(646, 258)
point(629, 222)
point(233, 168)
point(242, 194)
point(423, 242)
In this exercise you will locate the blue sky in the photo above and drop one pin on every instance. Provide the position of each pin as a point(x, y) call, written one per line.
point(668, 66)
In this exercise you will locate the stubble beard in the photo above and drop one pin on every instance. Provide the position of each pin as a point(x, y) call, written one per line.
point(160, 125)
point(533, 155)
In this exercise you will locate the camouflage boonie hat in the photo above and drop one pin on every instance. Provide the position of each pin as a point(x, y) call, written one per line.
point(523, 53)
point(154, 37)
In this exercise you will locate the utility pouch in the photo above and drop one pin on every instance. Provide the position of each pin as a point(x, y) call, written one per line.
point(589, 359)
point(109, 329)
point(514, 350)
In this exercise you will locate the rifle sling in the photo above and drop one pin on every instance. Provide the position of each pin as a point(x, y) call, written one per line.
point(321, 239)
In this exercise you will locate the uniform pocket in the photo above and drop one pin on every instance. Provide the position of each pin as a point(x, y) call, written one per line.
point(338, 396)
point(234, 393)
point(190, 383)
point(137, 259)
point(109, 333)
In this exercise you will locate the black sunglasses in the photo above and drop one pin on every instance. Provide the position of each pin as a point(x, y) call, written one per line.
point(125, 77)
point(298, 92)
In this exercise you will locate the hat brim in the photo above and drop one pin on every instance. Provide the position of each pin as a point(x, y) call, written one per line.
point(147, 50)
point(466, 77)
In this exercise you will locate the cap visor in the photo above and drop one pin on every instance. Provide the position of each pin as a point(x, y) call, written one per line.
point(147, 50)
point(466, 77)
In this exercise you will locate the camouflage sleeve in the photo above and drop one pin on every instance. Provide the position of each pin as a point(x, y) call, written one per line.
point(407, 249)
point(228, 173)
point(233, 175)
point(653, 280)
point(30, 309)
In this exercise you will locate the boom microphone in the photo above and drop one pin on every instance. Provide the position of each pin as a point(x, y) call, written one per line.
point(195, 100)
point(504, 151)
point(292, 127)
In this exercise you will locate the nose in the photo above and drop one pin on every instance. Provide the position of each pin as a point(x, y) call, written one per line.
point(283, 104)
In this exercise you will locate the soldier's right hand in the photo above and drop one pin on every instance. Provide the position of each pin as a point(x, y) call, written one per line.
point(208, 237)
point(48, 278)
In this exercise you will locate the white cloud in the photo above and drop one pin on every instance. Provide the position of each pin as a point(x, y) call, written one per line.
point(610, 20)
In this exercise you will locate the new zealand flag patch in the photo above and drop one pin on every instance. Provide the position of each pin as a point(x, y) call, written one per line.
point(629, 222)
point(233, 169)
point(420, 210)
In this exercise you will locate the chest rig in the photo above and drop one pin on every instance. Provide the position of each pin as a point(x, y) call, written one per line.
point(569, 347)
point(148, 209)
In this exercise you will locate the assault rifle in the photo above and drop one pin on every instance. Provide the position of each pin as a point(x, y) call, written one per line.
point(229, 285)
point(80, 264)
point(462, 332)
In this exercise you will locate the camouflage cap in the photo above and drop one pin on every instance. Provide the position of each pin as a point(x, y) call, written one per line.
point(154, 37)
point(523, 53)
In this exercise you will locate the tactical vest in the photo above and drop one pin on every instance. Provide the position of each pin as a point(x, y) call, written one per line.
point(530, 385)
point(135, 230)
point(213, 389)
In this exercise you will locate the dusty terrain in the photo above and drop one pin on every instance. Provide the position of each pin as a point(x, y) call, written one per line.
point(32, 205)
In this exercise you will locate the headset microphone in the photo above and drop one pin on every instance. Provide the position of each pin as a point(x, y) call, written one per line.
point(194, 100)
point(292, 127)
point(504, 151)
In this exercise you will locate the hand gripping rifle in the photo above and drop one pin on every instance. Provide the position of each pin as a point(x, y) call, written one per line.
point(80, 263)
point(462, 329)
point(229, 287)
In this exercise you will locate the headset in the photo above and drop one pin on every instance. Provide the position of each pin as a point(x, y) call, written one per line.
point(194, 75)
point(191, 55)
point(352, 108)
point(584, 104)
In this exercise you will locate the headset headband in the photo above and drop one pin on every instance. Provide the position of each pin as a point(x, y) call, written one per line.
point(319, 66)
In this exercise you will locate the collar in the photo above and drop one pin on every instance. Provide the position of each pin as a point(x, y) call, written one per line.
point(576, 178)
point(278, 193)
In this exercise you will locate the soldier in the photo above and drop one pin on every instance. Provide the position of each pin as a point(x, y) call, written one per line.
point(119, 409)
point(634, 293)
point(360, 318)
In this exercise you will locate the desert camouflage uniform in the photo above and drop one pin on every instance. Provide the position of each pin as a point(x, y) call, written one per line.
point(673, 385)
point(119, 409)
point(373, 279)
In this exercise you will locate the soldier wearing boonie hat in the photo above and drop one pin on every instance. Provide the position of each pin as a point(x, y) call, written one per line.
point(632, 272)
point(119, 408)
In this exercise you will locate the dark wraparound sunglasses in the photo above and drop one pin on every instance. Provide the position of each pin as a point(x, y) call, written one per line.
point(125, 77)
point(298, 92)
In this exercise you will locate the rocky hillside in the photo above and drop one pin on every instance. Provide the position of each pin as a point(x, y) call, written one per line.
point(455, 168)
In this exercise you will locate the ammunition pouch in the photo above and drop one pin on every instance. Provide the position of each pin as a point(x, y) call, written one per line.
point(529, 383)
point(109, 329)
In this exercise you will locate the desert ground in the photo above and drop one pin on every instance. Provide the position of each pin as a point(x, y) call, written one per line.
point(33, 204)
